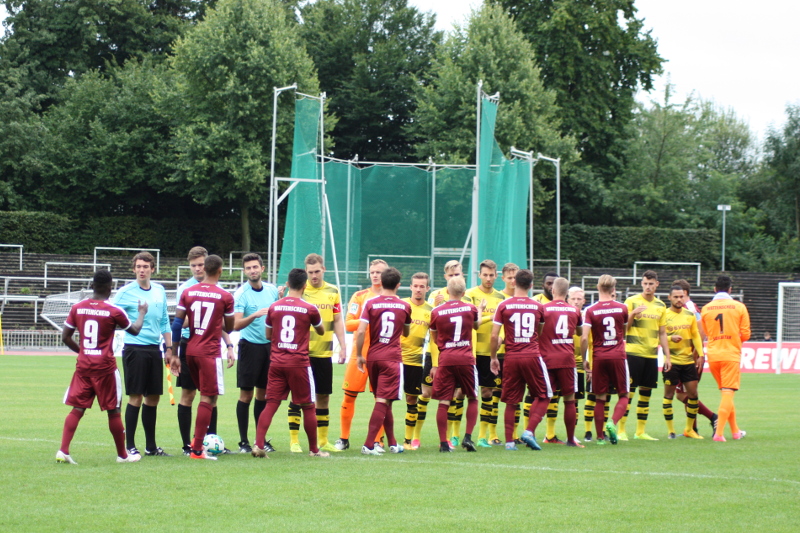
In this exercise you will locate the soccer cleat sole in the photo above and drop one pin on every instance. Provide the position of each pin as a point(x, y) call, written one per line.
point(319, 454)
point(530, 440)
point(129, 459)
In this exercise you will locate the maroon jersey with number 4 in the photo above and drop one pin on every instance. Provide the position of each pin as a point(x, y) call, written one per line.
point(291, 319)
point(453, 323)
point(556, 342)
point(206, 306)
point(95, 321)
point(520, 317)
point(386, 316)
point(608, 321)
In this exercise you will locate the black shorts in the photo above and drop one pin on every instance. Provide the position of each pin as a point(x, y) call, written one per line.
point(253, 365)
point(144, 369)
point(643, 371)
point(581, 382)
point(322, 368)
point(184, 380)
point(426, 371)
point(680, 374)
point(412, 379)
point(485, 376)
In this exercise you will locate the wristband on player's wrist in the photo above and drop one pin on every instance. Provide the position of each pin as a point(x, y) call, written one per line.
point(229, 345)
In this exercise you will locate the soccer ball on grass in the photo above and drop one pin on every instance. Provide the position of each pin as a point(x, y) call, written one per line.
point(213, 444)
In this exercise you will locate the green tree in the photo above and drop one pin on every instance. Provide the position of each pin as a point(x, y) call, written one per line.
point(782, 149)
point(595, 55)
point(370, 56)
point(227, 68)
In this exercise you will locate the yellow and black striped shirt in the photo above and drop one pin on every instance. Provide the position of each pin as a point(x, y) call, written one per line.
point(412, 345)
point(685, 325)
point(642, 337)
point(482, 338)
point(329, 303)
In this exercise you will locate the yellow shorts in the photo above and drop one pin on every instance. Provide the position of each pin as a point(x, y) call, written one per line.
point(354, 379)
point(726, 373)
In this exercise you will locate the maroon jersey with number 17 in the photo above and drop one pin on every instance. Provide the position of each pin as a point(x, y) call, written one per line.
point(520, 317)
point(291, 319)
point(608, 321)
point(453, 323)
point(557, 339)
point(206, 306)
point(386, 316)
point(95, 321)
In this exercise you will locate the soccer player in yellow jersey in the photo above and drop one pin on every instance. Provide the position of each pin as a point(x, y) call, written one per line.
point(355, 380)
point(727, 324)
point(486, 295)
point(508, 275)
point(684, 345)
point(452, 269)
point(328, 301)
point(646, 332)
point(412, 347)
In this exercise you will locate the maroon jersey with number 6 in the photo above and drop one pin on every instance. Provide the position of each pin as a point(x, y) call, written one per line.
point(520, 317)
point(95, 321)
point(206, 306)
point(608, 321)
point(453, 323)
point(386, 316)
point(556, 341)
point(291, 319)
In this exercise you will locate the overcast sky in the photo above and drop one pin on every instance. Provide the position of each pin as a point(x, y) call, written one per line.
point(741, 54)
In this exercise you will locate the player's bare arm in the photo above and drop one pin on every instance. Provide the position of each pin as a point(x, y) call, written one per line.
point(240, 321)
point(435, 361)
point(338, 330)
point(662, 336)
point(494, 366)
point(66, 337)
point(362, 329)
point(587, 364)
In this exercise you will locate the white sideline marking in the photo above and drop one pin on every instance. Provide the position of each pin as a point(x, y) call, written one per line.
point(590, 471)
point(49, 441)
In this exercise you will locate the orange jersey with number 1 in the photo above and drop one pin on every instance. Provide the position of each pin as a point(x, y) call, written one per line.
point(726, 322)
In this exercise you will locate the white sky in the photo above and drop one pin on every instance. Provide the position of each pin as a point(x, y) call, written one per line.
point(738, 53)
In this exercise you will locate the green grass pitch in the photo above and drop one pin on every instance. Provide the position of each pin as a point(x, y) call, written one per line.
point(635, 486)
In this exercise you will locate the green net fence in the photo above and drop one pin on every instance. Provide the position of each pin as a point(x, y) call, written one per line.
point(416, 218)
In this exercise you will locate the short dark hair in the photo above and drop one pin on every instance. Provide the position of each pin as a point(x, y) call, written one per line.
point(723, 284)
point(102, 280)
point(676, 287)
point(212, 265)
point(144, 256)
point(390, 278)
point(683, 284)
point(297, 279)
point(197, 251)
point(421, 275)
point(524, 279)
point(549, 275)
point(252, 257)
point(650, 274)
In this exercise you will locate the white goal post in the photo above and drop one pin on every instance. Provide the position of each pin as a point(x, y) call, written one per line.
point(788, 317)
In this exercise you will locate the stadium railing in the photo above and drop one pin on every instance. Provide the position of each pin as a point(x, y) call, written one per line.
point(697, 266)
point(65, 263)
point(242, 253)
point(18, 246)
point(156, 250)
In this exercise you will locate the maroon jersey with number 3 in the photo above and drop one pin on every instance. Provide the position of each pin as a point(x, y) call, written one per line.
point(608, 321)
point(95, 321)
point(206, 306)
point(453, 323)
point(386, 316)
point(520, 317)
point(556, 342)
point(291, 319)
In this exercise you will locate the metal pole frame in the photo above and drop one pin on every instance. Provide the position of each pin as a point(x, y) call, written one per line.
point(557, 163)
point(528, 156)
point(272, 219)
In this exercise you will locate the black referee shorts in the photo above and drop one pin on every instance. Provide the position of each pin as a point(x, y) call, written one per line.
point(643, 371)
point(184, 380)
point(253, 365)
point(144, 369)
point(322, 370)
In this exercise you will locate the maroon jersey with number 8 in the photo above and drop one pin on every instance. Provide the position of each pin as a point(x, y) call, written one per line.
point(453, 323)
point(291, 319)
point(386, 316)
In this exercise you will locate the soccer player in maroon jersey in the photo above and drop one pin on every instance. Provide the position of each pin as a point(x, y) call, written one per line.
point(607, 320)
point(288, 325)
point(387, 317)
point(209, 311)
point(96, 372)
point(520, 317)
point(451, 329)
point(556, 342)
